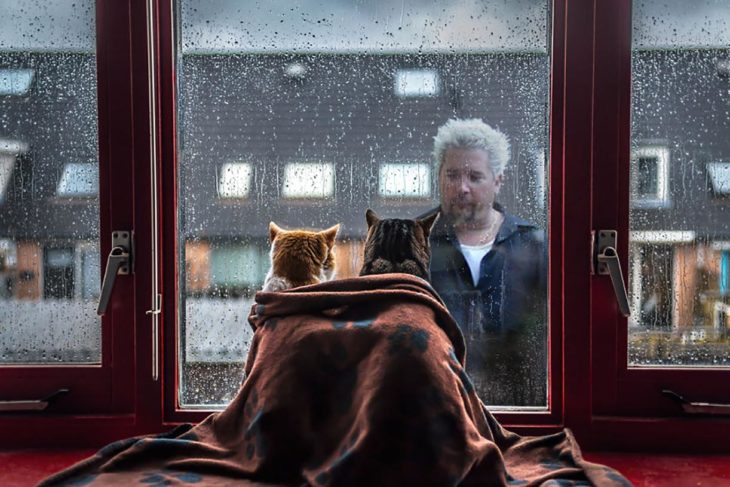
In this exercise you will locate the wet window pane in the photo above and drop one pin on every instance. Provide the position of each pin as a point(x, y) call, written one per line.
point(308, 114)
point(15, 81)
point(680, 213)
point(416, 82)
point(79, 180)
point(49, 258)
point(235, 180)
point(405, 180)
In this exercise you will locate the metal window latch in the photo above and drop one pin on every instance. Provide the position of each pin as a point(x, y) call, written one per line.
point(698, 408)
point(32, 404)
point(119, 262)
point(606, 262)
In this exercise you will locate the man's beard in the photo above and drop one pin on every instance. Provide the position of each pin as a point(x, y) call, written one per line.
point(461, 214)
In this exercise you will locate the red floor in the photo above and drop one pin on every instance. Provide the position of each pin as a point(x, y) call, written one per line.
point(26, 468)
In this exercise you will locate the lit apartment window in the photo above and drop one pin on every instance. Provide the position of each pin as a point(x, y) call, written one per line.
point(79, 180)
point(234, 180)
point(308, 180)
point(650, 176)
point(15, 81)
point(720, 177)
point(9, 150)
point(416, 83)
point(6, 171)
point(405, 180)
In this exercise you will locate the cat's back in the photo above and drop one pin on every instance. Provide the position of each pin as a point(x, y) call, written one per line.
point(396, 245)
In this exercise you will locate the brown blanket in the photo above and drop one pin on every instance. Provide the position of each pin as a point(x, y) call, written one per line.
point(355, 382)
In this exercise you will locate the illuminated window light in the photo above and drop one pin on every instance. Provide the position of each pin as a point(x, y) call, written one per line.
point(234, 180)
point(15, 81)
point(405, 180)
point(720, 177)
point(416, 82)
point(6, 172)
point(309, 180)
point(79, 179)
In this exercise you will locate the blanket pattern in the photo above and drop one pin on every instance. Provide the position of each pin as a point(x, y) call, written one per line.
point(356, 382)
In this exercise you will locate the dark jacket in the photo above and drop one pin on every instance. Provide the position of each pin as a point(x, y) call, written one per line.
point(504, 317)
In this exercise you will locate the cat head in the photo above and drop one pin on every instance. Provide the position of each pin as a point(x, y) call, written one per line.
point(300, 257)
point(397, 245)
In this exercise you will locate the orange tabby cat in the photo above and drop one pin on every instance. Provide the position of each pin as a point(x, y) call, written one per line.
point(300, 257)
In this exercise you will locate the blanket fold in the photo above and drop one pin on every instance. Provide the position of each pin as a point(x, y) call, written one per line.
point(355, 382)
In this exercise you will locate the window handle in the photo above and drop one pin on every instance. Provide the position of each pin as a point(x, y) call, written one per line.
point(691, 407)
point(118, 262)
point(31, 404)
point(607, 262)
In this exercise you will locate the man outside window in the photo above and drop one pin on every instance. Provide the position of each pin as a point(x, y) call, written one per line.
point(489, 267)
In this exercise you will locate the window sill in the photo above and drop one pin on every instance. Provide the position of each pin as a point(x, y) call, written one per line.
point(28, 467)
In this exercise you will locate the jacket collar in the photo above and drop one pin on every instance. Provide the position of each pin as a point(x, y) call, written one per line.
point(511, 225)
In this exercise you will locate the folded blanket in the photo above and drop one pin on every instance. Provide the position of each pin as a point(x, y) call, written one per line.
point(355, 382)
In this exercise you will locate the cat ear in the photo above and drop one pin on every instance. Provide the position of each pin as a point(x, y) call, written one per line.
point(371, 217)
point(330, 234)
point(273, 231)
point(427, 223)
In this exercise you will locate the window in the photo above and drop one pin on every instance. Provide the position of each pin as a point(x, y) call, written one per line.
point(58, 275)
point(650, 176)
point(234, 180)
point(6, 172)
point(308, 180)
point(658, 86)
point(411, 83)
point(9, 150)
point(719, 177)
point(404, 180)
point(337, 115)
point(78, 180)
point(15, 81)
point(237, 268)
point(724, 270)
point(660, 125)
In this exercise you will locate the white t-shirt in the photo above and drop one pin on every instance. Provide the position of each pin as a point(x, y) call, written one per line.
point(473, 254)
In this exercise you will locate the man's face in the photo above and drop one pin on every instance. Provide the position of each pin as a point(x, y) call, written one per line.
point(467, 185)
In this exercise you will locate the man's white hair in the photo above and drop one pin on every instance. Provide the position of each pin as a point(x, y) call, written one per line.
point(472, 133)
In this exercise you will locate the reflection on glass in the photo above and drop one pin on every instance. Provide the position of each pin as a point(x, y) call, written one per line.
point(49, 258)
point(680, 213)
point(307, 115)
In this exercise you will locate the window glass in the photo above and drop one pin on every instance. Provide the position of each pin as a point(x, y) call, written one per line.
point(720, 177)
point(308, 180)
point(679, 216)
point(15, 81)
point(405, 180)
point(78, 180)
point(7, 163)
point(416, 82)
point(333, 106)
point(235, 180)
point(48, 124)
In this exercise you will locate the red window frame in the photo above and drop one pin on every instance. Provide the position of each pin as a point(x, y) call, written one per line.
point(628, 409)
point(120, 398)
point(589, 152)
